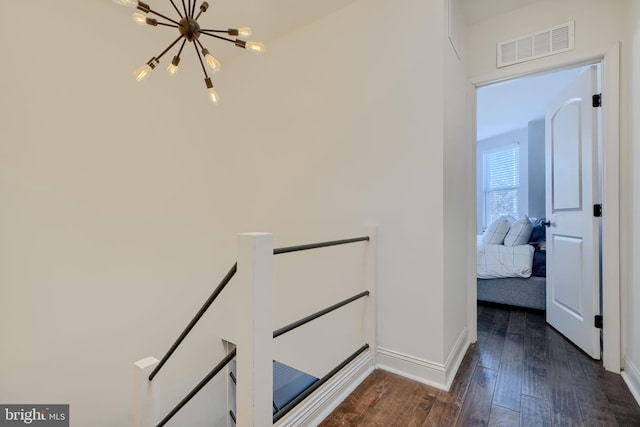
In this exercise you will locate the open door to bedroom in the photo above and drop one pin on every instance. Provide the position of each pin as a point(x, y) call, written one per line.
point(560, 180)
point(572, 212)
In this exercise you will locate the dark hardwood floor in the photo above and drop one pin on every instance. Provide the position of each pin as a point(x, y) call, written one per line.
point(521, 372)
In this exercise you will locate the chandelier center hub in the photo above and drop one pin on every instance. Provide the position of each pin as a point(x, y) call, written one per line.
point(189, 29)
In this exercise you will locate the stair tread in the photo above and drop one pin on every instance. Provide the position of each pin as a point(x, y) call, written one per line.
point(288, 383)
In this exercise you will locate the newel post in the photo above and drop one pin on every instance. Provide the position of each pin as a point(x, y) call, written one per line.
point(146, 394)
point(254, 317)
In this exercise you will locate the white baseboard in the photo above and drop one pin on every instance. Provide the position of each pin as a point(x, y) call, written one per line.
point(323, 401)
point(456, 355)
point(434, 374)
point(631, 376)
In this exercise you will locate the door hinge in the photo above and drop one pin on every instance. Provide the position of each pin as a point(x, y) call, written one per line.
point(597, 321)
point(597, 210)
point(597, 100)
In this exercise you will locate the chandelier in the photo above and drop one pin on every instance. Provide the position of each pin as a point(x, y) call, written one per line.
point(190, 31)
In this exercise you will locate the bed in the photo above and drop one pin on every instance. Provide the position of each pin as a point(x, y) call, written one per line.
point(513, 272)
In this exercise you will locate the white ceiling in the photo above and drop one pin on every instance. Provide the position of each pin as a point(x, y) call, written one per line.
point(478, 10)
point(271, 18)
point(507, 106)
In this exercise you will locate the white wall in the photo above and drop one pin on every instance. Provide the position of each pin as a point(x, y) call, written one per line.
point(483, 37)
point(348, 130)
point(632, 362)
point(114, 222)
point(121, 202)
point(535, 141)
point(458, 192)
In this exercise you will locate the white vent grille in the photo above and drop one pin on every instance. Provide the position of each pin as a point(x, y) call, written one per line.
point(537, 45)
point(525, 48)
point(542, 43)
point(508, 52)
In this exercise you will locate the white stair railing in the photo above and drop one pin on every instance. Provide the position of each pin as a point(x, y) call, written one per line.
point(250, 330)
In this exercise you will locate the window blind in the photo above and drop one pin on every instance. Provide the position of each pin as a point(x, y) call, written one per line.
point(501, 182)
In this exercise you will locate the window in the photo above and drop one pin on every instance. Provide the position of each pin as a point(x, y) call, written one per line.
point(501, 181)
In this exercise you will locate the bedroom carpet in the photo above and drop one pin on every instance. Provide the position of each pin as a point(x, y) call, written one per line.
point(521, 372)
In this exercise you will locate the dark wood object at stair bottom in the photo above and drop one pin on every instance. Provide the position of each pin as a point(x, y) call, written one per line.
point(521, 372)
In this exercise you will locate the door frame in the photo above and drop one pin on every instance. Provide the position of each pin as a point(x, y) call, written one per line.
point(610, 67)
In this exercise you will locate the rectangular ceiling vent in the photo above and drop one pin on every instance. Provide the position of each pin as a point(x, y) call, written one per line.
point(537, 45)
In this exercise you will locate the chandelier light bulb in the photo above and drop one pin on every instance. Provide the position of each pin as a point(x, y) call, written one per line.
point(244, 31)
point(142, 73)
point(130, 3)
point(173, 67)
point(255, 47)
point(214, 98)
point(212, 62)
point(139, 18)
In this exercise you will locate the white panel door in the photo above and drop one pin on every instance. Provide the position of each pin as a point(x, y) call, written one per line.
point(573, 296)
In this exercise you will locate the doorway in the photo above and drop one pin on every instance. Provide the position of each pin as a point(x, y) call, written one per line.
point(609, 61)
point(541, 169)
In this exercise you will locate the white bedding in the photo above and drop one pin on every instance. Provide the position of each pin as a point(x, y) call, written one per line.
point(499, 261)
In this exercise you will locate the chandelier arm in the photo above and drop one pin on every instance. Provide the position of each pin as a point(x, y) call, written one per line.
point(215, 31)
point(203, 8)
point(216, 36)
point(193, 8)
point(204, 70)
point(186, 14)
point(170, 46)
point(182, 47)
point(176, 8)
point(168, 25)
point(199, 44)
point(162, 16)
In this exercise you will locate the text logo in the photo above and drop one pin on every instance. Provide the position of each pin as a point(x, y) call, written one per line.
point(34, 415)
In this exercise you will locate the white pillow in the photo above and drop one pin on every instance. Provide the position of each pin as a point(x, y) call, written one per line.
point(497, 231)
point(519, 233)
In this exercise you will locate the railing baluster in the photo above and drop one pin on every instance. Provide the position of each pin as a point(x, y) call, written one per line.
point(278, 251)
point(320, 313)
point(195, 320)
point(198, 387)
